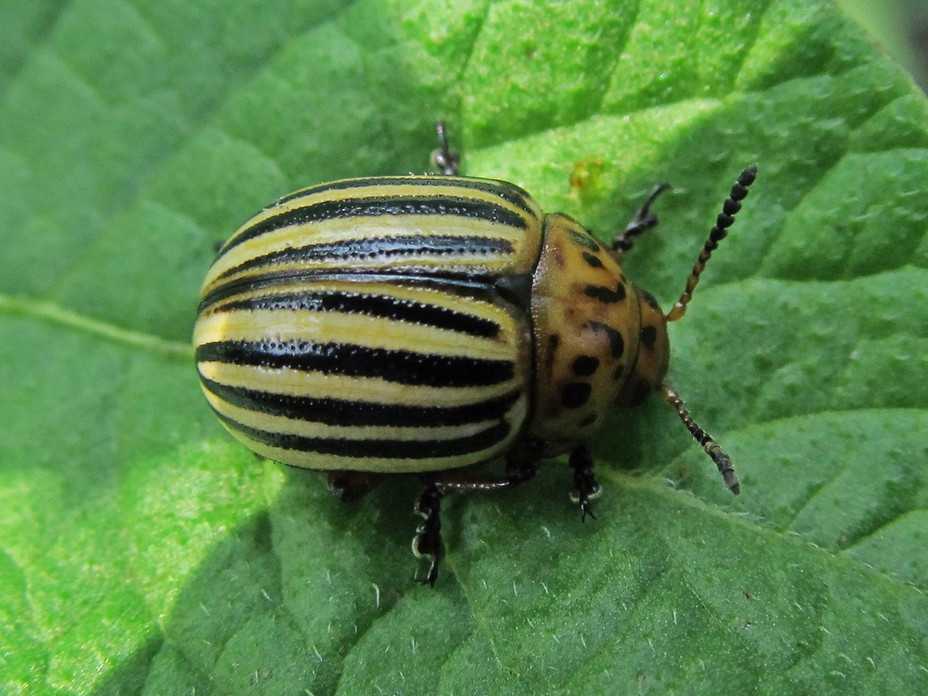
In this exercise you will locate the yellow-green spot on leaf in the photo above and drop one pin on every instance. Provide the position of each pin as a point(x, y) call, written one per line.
point(586, 178)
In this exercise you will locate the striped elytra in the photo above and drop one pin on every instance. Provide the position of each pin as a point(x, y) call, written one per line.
point(421, 324)
point(358, 325)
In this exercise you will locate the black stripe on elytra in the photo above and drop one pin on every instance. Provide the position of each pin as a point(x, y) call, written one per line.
point(380, 448)
point(347, 412)
point(648, 337)
point(353, 250)
point(382, 306)
point(604, 294)
point(378, 206)
point(508, 192)
point(401, 366)
point(575, 394)
point(467, 284)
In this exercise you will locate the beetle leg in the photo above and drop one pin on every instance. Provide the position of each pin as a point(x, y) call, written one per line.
point(641, 222)
point(586, 487)
point(444, 158)
point(427, 542)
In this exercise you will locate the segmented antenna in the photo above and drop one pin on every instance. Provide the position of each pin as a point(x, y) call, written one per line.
point(711, 447)
point(725, 220)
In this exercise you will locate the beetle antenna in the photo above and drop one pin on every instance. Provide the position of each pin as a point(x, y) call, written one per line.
point(725, 220)
point(711, 447)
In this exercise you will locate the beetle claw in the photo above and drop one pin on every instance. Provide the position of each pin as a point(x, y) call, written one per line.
point(431, 576)
point(586, 487)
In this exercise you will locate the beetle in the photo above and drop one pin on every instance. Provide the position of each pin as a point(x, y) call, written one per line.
point(424, 324)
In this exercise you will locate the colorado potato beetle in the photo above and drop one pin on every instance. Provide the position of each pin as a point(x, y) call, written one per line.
point(422, 324)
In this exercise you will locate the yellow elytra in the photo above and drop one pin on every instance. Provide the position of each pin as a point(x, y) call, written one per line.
point(423, 324)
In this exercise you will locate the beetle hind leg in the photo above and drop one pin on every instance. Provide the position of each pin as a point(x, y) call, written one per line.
point(427, 542)
point(586, 487)
point(641, 222)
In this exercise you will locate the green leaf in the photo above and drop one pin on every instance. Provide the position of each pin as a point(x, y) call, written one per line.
point(143, 551)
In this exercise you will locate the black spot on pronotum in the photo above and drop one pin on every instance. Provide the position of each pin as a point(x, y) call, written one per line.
point(584, 240)
point(575, 394)
point(592, 260)
point(604, 294)
point(616, 343)
point(648, 336)
point(649, 299)
point(642, 389)
point(588, 421)
point(585, 365)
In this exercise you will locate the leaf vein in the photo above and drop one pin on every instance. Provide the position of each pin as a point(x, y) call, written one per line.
point(54, 314)
point(686, 498)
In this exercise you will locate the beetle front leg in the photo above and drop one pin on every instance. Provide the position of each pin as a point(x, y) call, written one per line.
point(642, 221)
point(586, 487)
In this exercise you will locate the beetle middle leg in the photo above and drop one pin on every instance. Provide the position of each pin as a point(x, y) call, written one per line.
point(427, 542)
point(586, 487)
point(641, 222)
point(444, 158)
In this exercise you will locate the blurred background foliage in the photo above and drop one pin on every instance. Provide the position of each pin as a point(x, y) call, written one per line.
point(900, 26)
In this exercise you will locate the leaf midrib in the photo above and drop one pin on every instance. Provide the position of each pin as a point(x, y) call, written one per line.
point(52, 313)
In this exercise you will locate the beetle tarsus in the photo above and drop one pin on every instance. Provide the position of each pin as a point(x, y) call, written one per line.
point(586, 487)
point(641, 222)
point(427, 542)
point(444, 158)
